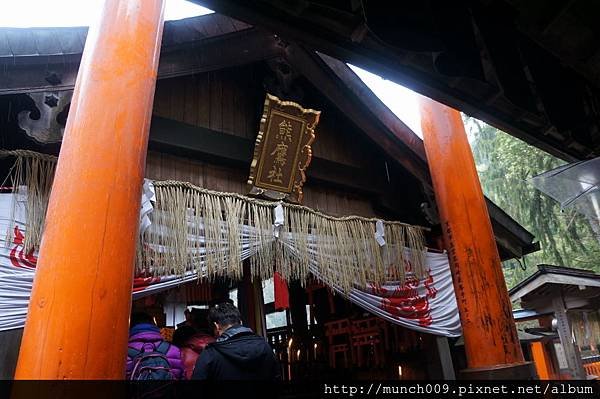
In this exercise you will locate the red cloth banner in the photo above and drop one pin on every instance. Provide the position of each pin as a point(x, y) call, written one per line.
point(282, 294)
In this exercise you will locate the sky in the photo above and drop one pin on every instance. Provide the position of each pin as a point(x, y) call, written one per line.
point(401, 101)
point(53, 13)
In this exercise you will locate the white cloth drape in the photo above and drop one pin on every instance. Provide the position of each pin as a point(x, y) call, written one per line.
point(427, 305)
point(16, 267)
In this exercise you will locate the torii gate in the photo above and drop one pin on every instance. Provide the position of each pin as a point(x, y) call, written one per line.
point(77, 325)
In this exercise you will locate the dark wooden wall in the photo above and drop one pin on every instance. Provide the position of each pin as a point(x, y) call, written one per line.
point(224, 100)
point(230, 101)
point(337, 202)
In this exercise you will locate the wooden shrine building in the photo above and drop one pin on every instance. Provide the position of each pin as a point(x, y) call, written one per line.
point(563, 304)
point(203, 117)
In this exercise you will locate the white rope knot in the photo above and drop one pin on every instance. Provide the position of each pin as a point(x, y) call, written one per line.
point(380, 233)
point(278, 220)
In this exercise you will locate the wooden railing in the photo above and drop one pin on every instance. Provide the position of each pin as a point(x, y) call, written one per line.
point(592, 365)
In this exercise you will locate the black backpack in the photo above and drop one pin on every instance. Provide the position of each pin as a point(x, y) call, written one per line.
point(151, 364)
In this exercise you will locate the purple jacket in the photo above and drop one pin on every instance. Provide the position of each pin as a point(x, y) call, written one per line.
point(146, 335)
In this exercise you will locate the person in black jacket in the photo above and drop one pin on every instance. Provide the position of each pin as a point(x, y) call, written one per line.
point(238, 353)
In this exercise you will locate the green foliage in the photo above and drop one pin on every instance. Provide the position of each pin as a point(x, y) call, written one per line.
point(504, 164)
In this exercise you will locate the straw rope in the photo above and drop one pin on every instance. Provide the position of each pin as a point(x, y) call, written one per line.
point(346, 250)
point(194, 227)
point(31, 174)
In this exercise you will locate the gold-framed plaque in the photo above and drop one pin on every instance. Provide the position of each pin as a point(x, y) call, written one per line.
point(282, 151)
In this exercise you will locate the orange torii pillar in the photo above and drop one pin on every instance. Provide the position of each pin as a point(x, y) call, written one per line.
point(78, 320)
point(491, 342)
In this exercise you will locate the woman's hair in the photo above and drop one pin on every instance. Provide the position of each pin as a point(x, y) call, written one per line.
point(199, 320)
point(182, 334)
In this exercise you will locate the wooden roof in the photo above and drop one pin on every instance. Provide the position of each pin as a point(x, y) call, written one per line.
point(35, 42)
point(529, 68)
point(579, 287)
point(41, 59)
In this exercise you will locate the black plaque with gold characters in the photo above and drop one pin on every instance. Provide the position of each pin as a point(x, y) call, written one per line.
point(282, 151)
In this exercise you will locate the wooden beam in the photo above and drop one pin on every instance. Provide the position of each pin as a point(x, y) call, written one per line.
point(18, 78)
point(373, 105)
point(183, 139)
point(503, 221)
point(198, 142)
point(560, 13)
point(239, 48)
point(315, 70)
point(543, 304)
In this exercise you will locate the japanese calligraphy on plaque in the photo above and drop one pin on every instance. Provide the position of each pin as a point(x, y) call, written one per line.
point(282, 151)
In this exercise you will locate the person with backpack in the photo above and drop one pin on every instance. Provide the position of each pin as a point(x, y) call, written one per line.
point(149, 356)
point(238, 353)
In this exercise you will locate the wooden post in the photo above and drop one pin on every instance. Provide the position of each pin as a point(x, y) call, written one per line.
point(298, 311)
point(491, 342)
point(445, 357)
point(259, 308)
point(566, 337)
point(247, 298)
point(77, 325)
point(9, 351)
point(543, 365)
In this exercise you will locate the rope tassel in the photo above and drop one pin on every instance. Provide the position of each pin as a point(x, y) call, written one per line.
point(344, 248)
point(31, 175)
point(209, 233)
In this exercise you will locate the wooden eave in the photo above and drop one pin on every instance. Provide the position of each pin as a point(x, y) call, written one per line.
point(578, 288)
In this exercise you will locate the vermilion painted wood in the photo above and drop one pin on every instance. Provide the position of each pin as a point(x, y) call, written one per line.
point(543, 364)
point(78, 315)
point(489, 330)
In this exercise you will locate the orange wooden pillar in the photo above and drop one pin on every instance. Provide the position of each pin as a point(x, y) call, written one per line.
point(491, 342)
point(77, 325)
point(543, 364)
